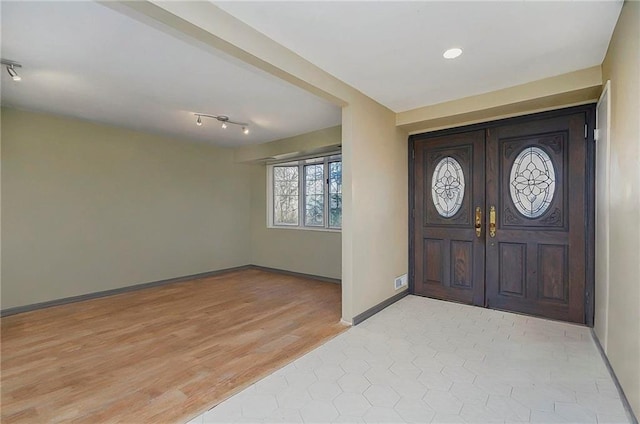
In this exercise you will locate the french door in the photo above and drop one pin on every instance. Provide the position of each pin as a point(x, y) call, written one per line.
point(501, 215)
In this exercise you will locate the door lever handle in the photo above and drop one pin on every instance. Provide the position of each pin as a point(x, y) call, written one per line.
point(492, 221)
point(478, 221)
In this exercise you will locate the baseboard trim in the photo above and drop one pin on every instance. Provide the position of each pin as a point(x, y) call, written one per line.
point(377, 308)
point(625, 402)
point(296, 274)
point(135, 287)
point(105, 293)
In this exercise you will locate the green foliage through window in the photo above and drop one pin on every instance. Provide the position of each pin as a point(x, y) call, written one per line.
point(335, 194)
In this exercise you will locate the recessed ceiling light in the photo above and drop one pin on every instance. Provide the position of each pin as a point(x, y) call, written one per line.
point(452, 53)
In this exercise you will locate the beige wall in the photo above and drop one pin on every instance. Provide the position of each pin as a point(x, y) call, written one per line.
point(306, 251)
point(88, 207)
point(622, 67)
point(376, 227)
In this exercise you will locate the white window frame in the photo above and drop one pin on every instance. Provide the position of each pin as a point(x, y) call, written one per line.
point(325, 160)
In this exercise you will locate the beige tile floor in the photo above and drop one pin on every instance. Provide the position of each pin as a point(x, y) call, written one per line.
point(427, 361)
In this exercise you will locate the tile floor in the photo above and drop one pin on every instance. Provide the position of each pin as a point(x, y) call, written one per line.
point(427, 361)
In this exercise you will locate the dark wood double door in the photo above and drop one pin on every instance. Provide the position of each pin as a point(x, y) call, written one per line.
point(500, 215)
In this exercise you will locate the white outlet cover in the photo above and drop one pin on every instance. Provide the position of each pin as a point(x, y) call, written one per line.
point(400, 281)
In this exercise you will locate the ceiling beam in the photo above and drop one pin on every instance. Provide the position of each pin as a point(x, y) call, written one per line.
point(205, 25)
point(569, 89)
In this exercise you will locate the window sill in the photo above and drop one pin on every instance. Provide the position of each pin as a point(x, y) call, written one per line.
point(321, 230)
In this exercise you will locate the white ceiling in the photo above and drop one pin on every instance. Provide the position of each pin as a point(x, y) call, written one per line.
point(85, 60)
point(392, 51)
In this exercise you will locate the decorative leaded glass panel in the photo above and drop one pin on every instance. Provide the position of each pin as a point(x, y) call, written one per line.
point(447, 187)
point(532, 182)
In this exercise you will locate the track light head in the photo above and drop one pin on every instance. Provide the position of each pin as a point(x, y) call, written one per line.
point(245, 130)
point(11, 69)
point(13, 73)
point(199, 121)
point(224, 119)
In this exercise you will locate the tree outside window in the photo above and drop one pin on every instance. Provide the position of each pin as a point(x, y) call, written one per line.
point(307, 193)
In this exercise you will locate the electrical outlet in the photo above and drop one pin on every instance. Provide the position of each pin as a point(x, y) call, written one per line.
point(400, 281)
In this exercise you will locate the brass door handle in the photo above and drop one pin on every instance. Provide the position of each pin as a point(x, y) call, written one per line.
point(478, 221)
point(492, 221)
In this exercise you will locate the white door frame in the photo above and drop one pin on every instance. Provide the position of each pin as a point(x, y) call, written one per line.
point(602, 203)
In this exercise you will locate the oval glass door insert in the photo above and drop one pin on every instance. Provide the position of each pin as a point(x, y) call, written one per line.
point(447, 187)
point(532, 182)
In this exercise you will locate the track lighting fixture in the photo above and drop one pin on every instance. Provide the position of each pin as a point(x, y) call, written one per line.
point(224, 119)
point(11, 69)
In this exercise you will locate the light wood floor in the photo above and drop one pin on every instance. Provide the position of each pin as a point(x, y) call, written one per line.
point(163, 354)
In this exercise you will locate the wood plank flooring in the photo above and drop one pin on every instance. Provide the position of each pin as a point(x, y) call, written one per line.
point(163, 354)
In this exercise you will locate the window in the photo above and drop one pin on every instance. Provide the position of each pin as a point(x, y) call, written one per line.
point(306, 193)
point(285, 190)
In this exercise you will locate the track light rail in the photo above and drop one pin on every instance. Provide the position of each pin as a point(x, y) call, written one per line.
point(224, 119)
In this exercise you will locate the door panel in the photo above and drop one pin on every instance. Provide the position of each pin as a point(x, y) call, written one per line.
point(552, 261)
point(534, 173)
point(449, 185)
point(513, 260)
point(461, 257)
point(536, 180)
point(433, 260)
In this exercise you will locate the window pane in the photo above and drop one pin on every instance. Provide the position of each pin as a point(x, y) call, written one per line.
point(285, 195)
point(335, 194)
point(314, 195)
